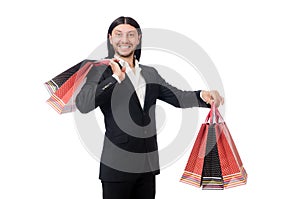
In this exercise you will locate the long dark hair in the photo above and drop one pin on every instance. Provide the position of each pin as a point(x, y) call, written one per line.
point(124, 20)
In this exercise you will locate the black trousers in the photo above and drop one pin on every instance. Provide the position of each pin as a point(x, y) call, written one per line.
point(141, 188)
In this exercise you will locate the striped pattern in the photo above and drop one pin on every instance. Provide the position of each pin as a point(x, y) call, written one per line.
point(62, 96)
point(214, 162)
point(55, 83)
point(63, 88)
point(51, 86)
point(193, 170)
point(212, 173)
point(191, 178)
point(236, 179)
point(213, 183)
point(233, 171)
point(57, 104)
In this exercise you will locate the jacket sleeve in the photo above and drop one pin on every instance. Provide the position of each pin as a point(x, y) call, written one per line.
point(96, 90)
point(177, 97)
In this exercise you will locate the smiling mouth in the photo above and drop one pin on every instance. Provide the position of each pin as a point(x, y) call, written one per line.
point(124, 46)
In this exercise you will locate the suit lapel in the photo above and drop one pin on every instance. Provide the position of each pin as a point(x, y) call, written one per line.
point(147, 77)
point(128, 83)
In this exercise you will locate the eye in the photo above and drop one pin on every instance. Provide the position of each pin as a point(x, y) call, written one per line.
point(118, 34)
point(131, 35)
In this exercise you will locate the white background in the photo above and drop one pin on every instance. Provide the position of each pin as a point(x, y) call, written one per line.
point(255, 46)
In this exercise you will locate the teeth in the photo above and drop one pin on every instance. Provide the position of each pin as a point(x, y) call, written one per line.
point(124, 46)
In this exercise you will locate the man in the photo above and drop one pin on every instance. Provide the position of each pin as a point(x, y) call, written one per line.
point(126, 92)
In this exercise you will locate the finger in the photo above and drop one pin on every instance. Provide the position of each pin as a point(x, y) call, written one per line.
point(222, 100)
point(114, 59)
point(216, 103)
point(113, 63)
point(219, 100)
point(114, 66)
point(206, 96)
point(210, 99)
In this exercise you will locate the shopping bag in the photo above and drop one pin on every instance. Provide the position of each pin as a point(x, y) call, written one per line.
point(64, 87)
point(214, 162)
point(56, 82)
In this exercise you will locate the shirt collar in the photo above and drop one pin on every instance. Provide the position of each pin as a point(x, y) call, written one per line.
point(124, 63)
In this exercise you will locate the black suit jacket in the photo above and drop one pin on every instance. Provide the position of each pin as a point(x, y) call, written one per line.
point(130, 144)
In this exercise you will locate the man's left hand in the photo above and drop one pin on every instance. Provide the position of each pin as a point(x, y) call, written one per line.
point(212, 97)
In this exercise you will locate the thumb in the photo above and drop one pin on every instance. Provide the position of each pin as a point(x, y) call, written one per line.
point(123, 69)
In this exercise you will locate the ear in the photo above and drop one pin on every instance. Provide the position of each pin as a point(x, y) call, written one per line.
point(139, 39)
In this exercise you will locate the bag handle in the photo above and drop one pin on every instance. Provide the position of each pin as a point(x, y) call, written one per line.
point(214, 115)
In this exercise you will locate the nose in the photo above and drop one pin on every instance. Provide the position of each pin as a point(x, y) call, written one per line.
point(124, 38)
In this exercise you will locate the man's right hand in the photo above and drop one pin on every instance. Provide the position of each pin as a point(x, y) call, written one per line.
point(116, 69)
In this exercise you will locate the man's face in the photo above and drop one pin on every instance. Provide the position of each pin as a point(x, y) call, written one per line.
point(124, 39)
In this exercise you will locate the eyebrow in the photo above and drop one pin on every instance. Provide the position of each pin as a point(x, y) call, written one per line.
point(126, 32)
